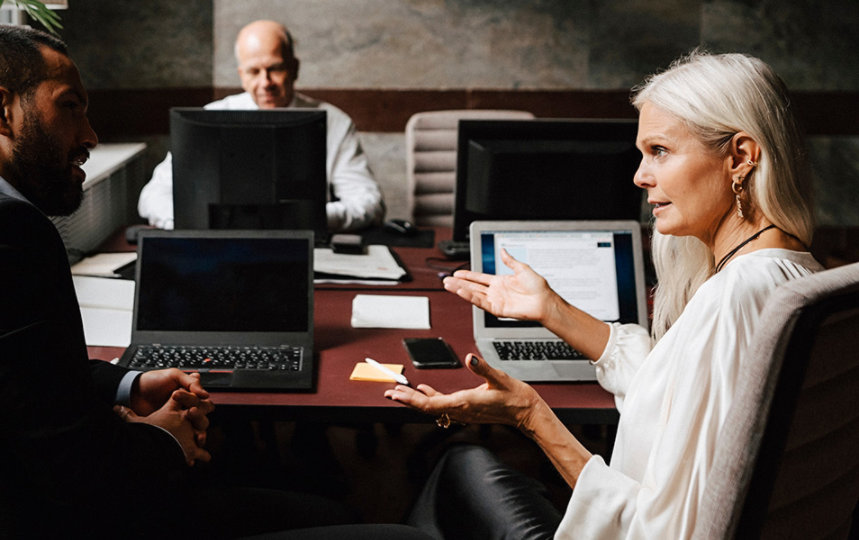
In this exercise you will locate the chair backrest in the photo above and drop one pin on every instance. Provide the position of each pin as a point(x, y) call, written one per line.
point(788, 461)
point(431, 160)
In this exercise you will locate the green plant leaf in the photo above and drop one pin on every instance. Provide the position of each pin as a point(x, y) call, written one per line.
point(38, 12)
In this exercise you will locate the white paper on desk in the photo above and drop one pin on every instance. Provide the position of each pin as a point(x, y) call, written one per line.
point(349, 281)
point(103, 264)
point(383, 311)
point(377, 263)
point(107, 327)
point(102, 292)
point(106, 309)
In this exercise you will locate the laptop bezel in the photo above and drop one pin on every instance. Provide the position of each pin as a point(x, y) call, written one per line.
point(167, 337)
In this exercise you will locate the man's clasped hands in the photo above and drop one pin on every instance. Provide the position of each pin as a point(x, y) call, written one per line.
point(176, 402)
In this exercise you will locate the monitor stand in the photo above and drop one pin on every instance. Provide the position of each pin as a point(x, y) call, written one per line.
point(289, 215)
point(455, 250)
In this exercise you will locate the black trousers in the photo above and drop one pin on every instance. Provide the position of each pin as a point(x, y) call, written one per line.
point(471, 494)
point(370, 531)
point(267, 514)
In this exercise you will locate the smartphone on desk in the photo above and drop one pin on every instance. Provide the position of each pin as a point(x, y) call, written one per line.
point(430, 353)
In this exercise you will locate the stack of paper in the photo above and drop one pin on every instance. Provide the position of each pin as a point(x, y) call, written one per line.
point(377, 263)
point(103, 264)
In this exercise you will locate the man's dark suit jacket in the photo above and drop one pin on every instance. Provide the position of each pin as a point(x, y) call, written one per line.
point(68, 465)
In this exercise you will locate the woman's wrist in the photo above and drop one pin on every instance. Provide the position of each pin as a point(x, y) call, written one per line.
point(562, 448)
point(553, 314)
point(534, 415)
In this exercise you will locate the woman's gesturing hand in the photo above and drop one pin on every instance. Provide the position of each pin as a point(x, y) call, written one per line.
point(521, 295)
point(501, 399)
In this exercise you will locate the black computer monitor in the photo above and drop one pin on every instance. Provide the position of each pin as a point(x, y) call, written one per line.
point(545, 169)
point(254, 169)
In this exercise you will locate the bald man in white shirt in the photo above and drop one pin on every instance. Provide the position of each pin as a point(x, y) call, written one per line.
point(268, 70)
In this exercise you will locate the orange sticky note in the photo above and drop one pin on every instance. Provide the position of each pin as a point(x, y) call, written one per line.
point(366, 372)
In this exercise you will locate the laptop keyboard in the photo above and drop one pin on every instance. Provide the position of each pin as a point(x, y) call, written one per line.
point(224, 358)
point(536, 350)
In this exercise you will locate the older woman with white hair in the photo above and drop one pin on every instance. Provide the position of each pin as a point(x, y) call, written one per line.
point(724, 169)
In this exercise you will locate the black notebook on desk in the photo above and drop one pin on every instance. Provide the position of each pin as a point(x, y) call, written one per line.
point(234, 306)
point(422, 238)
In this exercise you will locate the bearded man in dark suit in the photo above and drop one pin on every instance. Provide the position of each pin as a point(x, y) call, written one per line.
point(79, 438)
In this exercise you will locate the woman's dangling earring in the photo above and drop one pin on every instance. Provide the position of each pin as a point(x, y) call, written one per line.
point(737, 188)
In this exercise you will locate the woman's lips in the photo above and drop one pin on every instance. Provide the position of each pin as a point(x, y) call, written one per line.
point(659, 206)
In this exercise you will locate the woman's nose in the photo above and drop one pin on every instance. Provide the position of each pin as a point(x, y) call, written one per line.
point(642, 178)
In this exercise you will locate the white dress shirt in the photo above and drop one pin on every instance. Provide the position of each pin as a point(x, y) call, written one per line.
point(357, 198)
point(673, 400)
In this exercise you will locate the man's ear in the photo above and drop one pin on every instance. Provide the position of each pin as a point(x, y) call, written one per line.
point(6, 101)
point(745, 153)
point(294, 68)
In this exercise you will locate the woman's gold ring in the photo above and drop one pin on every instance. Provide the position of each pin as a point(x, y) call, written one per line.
point(443, 421)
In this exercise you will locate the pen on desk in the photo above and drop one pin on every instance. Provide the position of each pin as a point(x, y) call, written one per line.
point(399, 377)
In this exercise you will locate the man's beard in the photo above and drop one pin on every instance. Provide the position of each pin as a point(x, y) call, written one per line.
point(43, 173)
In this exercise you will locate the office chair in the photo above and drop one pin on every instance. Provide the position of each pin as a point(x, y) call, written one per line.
point(788, 461)
point(431, 161)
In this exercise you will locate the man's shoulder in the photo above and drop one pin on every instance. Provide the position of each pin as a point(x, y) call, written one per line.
point(307, 102)
point(22, 224)
point(15, 208)
point(303, 101)
point(242, 101)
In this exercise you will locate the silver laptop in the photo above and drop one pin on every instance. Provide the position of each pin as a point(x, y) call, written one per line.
point(234, 306)
point(595, 265)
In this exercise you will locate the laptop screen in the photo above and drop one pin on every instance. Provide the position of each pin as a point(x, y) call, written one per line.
point(592, 269)
point(224, 284)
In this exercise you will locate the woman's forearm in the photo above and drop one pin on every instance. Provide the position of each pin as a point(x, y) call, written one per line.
point(583, 332)
point(562, 448)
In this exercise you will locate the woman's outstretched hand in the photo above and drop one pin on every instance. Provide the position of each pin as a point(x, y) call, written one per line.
point(521, 295)
point(526, 295)
point(501, 399)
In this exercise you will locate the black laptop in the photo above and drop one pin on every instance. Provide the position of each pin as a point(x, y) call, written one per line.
point(234, 306)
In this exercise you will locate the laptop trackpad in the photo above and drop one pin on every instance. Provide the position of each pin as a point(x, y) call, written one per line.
point(216, 380)
point(575, 371)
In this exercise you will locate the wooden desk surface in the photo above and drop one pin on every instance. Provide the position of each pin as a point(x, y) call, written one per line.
point(339, 347)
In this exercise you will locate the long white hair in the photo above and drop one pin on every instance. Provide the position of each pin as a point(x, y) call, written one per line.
point(716, 96)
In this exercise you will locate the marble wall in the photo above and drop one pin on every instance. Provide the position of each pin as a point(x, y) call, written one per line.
point(487, 44)
point(543, 44)
point(132, 44)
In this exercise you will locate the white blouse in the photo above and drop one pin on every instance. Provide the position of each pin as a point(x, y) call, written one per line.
point(673, 400)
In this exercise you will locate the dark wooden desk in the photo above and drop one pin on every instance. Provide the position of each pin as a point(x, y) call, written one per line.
point(339, 347)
